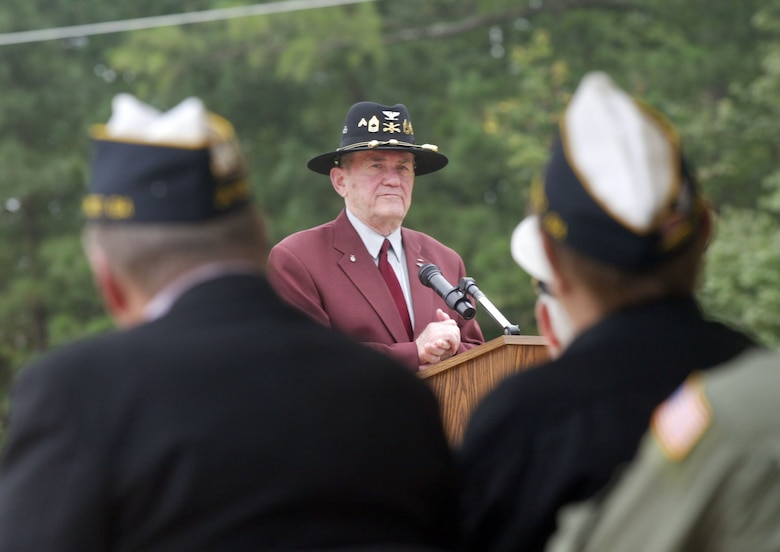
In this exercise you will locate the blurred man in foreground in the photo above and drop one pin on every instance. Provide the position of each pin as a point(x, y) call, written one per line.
point(216, 417)
point(623, 227)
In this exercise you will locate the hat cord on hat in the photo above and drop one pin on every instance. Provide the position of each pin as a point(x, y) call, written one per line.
point(392, 142)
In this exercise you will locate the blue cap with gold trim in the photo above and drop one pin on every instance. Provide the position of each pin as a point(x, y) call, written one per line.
point(370, 125)
point(617, 188)
point(183, 165)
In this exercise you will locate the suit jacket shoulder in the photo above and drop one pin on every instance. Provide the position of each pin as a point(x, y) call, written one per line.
point(233, 422)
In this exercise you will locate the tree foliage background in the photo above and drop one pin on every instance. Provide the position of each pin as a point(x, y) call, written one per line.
point(484, 79)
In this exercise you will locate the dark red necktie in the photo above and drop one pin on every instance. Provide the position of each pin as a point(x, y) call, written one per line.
point(395, 288)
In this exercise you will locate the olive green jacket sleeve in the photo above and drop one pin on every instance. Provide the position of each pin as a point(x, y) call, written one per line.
point(707, 475)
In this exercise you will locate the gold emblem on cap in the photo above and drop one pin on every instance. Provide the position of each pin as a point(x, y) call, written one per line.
point(555, 226)
point(373, 124)
point(92, 206)
point(391, 128)
point(114, 207)
point(225, 158)
point(408, 127)
point(230, 194)
point(119, 207)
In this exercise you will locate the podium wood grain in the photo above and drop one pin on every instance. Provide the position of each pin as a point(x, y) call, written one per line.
point(462, 381)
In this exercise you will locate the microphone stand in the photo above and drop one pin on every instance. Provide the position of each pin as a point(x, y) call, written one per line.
point(467, 285)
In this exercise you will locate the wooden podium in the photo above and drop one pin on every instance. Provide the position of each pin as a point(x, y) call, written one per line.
point(461, 381)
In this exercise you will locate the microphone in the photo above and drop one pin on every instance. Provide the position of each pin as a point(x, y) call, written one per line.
point(469, 286)
point(430, 276)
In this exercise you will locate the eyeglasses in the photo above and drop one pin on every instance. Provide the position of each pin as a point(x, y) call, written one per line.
point(541, 288)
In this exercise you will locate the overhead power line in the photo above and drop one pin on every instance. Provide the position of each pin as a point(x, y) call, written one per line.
point(77, 31)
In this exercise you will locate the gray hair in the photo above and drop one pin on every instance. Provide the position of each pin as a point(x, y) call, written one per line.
point(153, 254)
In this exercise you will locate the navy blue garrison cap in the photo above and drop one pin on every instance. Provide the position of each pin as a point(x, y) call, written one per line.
point(617, 188)
point(183, 165)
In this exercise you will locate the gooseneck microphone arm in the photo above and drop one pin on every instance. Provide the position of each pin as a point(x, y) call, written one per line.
point(455, 298)
point(467, 285)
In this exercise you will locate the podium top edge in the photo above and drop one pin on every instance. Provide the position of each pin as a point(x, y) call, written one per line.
point(500, 341)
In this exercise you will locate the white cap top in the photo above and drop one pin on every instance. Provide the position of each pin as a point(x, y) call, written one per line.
point(184, 124)
point(622, 156)
point(528, 251)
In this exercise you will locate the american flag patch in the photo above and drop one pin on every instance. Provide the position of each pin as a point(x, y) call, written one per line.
point(680, 421)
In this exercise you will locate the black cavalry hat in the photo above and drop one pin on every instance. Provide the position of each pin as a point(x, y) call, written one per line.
point(369, 126)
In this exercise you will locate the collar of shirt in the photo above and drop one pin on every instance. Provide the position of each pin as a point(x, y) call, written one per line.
point(373, 240)
point(163, 300)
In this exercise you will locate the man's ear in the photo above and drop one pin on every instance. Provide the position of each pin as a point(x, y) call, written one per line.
point(559, 281)
point(543, 320)
point(113, 294)
point(337, 178)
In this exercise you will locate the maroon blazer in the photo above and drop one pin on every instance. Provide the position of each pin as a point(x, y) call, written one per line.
point(327, 273)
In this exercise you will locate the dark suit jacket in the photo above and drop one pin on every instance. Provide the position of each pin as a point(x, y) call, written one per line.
point(232, 423)
point(327, 273)
point(555, 434)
